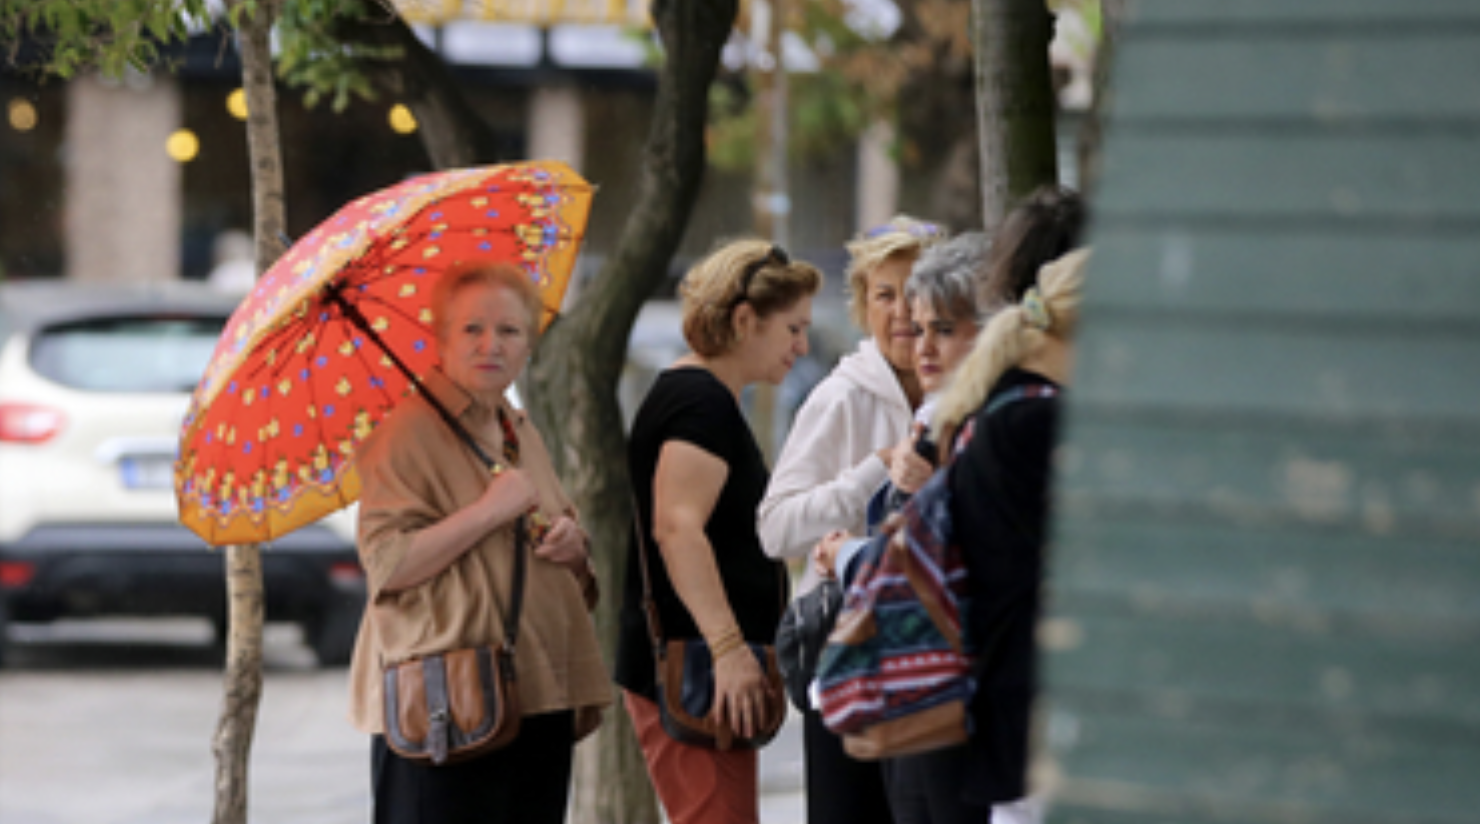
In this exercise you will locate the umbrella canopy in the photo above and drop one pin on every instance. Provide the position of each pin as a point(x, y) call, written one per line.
point(331, 336)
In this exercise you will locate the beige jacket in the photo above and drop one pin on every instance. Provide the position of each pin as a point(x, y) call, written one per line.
point(413, 472)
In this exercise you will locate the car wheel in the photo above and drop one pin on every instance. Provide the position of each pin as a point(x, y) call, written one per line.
point(332, 636)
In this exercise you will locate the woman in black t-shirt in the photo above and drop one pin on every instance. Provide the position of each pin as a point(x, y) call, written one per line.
point(698, 477)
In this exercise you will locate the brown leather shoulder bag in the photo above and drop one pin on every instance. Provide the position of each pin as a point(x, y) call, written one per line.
point(455, 706)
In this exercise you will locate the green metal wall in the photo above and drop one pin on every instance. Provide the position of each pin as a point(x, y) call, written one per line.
point(1265, 581)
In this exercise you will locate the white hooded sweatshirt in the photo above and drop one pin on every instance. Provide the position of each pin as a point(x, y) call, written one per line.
point(829, 466)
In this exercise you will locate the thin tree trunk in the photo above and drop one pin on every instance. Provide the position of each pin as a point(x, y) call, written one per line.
point(1015, 102)
point(573, 378)
point(243, 678)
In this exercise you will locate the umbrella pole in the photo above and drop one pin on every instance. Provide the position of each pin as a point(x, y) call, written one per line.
point(355, 317)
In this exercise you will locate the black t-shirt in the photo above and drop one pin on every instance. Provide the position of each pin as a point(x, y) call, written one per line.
point(689, 404)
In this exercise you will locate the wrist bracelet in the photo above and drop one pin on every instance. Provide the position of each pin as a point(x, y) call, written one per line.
point(726, 645)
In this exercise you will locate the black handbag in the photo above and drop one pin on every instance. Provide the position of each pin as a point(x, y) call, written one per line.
point(685, 679)
point(803, 632)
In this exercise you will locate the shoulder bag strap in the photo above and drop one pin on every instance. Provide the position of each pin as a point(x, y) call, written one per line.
point(521, 532)
point(1022, 392)
point(516, 594)
point(649, 604)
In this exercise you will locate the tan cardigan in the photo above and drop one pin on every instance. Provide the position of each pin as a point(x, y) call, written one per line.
point(413, 472)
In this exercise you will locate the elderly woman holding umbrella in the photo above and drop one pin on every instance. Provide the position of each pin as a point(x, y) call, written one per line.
point(437, 534)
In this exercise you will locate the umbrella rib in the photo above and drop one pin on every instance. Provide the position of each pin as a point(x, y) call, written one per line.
point(371, 369)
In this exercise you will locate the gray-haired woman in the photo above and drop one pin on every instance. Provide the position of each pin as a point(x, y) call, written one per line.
point(942, 290)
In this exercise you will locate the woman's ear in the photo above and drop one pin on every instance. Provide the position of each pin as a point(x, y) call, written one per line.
point(743, 321)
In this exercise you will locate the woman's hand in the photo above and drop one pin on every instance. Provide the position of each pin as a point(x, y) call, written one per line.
point(742, 698)
point(565, 544)
point(511, 490)
point(825, 554)
point(907, 470)
point(437, 547)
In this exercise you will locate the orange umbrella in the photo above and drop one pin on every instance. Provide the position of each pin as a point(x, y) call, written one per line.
point(339, 330)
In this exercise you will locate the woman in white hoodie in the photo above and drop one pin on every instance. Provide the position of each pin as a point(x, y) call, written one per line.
point(835, 457)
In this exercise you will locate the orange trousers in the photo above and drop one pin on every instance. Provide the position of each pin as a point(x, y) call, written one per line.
point(696, 785)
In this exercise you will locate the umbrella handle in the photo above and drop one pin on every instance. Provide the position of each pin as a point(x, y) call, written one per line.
point(539, 524)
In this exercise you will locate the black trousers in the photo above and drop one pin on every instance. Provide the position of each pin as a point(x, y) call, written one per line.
point(840, 790)
point(526, 782)
point(928, 788)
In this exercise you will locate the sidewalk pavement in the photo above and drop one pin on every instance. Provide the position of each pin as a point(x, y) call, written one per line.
point(783, 787)
point(111, 723)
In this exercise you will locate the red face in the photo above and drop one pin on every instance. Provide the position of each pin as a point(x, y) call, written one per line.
point(486, 339)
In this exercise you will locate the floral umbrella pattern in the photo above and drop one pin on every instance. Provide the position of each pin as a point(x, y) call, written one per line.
point(294, 386)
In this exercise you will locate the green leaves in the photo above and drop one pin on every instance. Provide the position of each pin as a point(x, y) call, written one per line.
point(113, 36)
point(117, 37)
point(313, 56)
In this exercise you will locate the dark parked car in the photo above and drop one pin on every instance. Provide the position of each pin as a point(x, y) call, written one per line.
point(94, 382)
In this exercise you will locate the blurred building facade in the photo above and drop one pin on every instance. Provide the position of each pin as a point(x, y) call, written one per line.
point(136, 179)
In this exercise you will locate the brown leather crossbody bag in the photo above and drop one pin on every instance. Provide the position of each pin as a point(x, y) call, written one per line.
point(685, 677)
point(454, 706)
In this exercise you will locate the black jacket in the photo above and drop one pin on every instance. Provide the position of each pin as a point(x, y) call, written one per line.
point(999, 486)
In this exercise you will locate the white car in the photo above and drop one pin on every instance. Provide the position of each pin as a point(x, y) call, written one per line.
point(94, 382)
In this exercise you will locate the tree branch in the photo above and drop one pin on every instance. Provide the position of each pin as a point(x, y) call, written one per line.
point(452, 132)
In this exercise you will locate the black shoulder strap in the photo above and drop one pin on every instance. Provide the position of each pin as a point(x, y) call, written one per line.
point(521, 534)
point(1021, 392)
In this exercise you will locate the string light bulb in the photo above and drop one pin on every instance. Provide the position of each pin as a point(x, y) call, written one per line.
point(402, 120)
point(182, 146)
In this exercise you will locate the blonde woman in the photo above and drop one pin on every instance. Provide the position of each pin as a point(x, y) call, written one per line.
point(698, 475)
point(835, 456)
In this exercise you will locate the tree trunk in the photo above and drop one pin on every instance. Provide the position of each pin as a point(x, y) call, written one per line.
point(243, 678)
point(938, 118)
point(232, 745)
point(573, 377)
point(1015, 102)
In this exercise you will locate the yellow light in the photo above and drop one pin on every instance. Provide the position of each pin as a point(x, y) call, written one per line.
point(22, 115)
point(402, 120)
point(182, 146)
point(236, 103)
